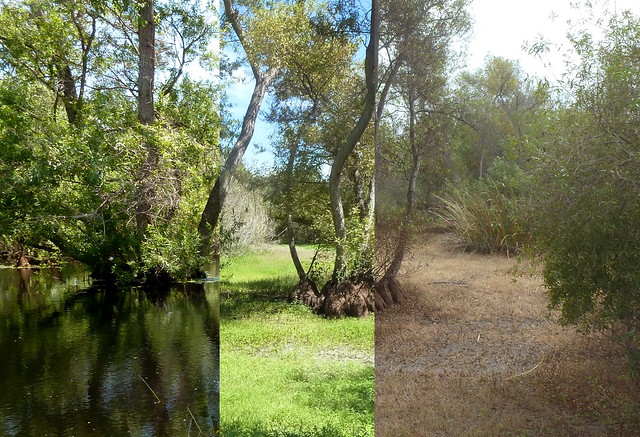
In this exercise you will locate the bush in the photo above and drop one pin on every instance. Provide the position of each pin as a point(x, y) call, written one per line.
point(245, 222)
point(587, 228)
point(587, 212)
point(589, 234)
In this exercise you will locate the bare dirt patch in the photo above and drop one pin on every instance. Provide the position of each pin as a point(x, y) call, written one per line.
point(475, 352)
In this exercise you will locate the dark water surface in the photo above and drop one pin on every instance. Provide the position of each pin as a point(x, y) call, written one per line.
point(79, 360)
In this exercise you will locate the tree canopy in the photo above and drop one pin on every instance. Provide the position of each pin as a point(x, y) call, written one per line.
point(72, 80)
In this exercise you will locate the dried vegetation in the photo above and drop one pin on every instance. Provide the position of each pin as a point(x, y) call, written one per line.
point(475, 352)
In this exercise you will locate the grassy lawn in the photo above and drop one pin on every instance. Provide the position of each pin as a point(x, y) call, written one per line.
point(283, 370)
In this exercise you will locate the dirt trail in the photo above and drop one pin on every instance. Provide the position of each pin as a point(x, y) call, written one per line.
point(475, 352)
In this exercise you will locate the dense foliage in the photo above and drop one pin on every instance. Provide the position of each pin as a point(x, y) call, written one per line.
point(516, 162)
point(505, 159)
point(74, 145)
point(587, 207)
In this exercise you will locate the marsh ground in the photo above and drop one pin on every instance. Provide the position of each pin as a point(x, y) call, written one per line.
point(475, 352)
point(285, 371)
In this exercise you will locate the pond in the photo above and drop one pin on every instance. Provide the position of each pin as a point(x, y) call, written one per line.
point(79, 359)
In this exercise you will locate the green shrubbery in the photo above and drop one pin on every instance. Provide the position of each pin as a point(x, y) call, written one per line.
point(587, 209)
point(588, 230)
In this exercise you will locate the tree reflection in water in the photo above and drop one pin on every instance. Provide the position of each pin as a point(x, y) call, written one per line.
point(77, 359)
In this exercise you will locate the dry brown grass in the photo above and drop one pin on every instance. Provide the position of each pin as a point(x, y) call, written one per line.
point(475, 352)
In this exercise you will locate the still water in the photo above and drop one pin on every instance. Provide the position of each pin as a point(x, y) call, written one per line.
point(78, 360)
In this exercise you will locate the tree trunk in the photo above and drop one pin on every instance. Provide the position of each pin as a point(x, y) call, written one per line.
point(291, 236)
point(371, 70)
point(365, 200)
point(302, 275)
point(211, 212)
point(341, 296)
point(146, 63)
point(306, 291)
point(70, 96)
point(146, 112)
point(384, 289)
point(388, 290)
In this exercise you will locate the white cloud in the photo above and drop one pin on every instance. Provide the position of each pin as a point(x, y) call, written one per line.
point(503, 26)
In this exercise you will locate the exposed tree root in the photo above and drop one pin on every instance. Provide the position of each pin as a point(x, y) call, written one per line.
point(344, 299)
point(388, 291)
point(307, 292)
point(347, 298)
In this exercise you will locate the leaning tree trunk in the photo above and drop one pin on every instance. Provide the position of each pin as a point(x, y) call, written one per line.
point(211, 213)
point(387, 289)
point(342, 296)
point(306, 291)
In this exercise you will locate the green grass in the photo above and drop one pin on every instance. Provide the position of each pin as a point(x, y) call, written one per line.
point(284, 370)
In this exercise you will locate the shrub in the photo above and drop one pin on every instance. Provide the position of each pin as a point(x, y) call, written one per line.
point(245, 222)
point(587, 212)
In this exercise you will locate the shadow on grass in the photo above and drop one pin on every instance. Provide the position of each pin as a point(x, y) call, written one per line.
point(237, 429)
point(244, 299)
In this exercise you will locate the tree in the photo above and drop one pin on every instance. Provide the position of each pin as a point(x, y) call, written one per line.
point(314, 104)
point(500, 114)
point(76, 169)
point(588, 201)
point(421, 143)
point(301, 201)
point(417, 36)
point(498, 106)
point(300, 52)
point(342, 295)
point(264, 25)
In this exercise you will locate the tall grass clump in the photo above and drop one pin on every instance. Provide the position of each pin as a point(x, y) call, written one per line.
point(245, 222)
point(485, 216)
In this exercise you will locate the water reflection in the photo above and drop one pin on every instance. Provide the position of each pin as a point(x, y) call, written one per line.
point(82, 360)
